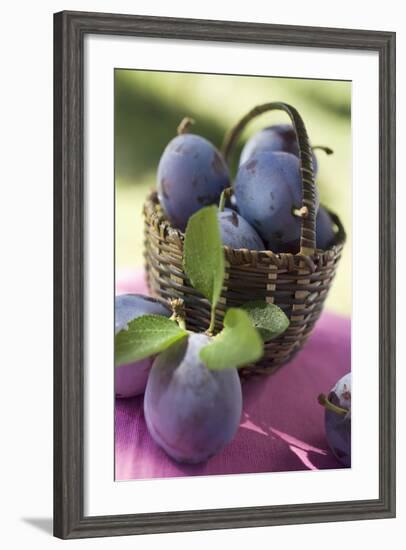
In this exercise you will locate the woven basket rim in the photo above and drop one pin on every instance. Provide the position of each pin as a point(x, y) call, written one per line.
point(154, 212)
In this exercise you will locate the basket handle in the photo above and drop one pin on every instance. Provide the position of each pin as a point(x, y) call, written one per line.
point(308, 210)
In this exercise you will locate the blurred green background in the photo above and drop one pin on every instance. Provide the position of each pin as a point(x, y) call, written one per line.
point(149, 105)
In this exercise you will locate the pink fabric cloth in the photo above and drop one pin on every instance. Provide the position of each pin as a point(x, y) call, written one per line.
point(282, 426)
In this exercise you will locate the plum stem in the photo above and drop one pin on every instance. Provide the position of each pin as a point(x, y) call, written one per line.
point(178, 311)
point(302, 212)
point(327, 404)
point(227, 192)
point(184, 125)
point(181, 323)
point(327, 150)
point(212, 321)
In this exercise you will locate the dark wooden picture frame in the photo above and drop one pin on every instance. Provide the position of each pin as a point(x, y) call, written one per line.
point(69, 31)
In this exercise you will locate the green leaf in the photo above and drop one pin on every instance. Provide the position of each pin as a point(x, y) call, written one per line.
point(146, 336)
point(204, 254)
point(237, 345)
point(269, 319)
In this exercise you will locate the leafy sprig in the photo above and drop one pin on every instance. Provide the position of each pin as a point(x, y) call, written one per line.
point(245, 329)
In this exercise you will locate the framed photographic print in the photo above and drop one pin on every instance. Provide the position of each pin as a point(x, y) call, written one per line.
point(224, 275)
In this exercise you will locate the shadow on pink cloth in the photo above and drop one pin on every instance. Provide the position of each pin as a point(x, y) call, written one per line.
point(282, 426)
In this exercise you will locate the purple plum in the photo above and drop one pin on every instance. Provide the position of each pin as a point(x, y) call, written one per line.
point(131, 379)
point(280, 137)
point(191, 174)
point(268, 189)
point(191, 412)
point(338, 419)
point(325, 235)
point(237, 232)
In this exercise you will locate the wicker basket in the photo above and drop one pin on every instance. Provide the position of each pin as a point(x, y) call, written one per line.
point(298, 283)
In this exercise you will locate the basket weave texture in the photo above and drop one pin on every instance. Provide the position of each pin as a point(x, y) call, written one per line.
point(297, 283)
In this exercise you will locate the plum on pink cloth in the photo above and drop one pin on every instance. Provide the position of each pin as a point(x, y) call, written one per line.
point(282, 425)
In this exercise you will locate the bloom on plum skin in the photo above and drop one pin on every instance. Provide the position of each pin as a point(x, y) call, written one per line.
point(338, 419)
point(191, 174)
point(277, 138)
point(191, 412)
point(268, 189)
point(130, 379)
point(237, 233)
